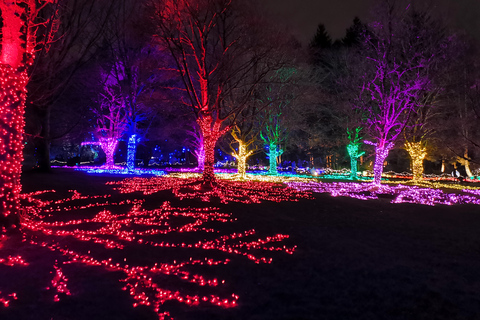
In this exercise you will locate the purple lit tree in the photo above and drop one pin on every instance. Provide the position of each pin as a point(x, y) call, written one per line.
point(396, 76)
point(112, 122)
point(129, 63)
point(221, 51)
point(196, 142)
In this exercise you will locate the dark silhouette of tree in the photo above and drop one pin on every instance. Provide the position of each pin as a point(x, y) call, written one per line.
point(321, 39)
point(80, 31)
point(354, 33)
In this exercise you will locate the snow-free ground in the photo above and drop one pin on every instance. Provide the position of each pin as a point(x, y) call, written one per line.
point(352, 259)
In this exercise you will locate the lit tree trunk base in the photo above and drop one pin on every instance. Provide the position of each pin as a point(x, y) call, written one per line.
point(109, 146)
point(211, 132)
point(242, 168)
point(12, 108)
point(353, 167)
point(273, 153)
point(131, 152)
point(242, 156)
point(380, 156)
point(417, 153)
point(466, 163)
point(353, 150)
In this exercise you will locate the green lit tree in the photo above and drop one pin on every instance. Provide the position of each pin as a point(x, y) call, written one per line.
point(353, 149)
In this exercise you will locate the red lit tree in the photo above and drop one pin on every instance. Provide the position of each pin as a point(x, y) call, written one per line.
point(19, 39)
point(220, 50)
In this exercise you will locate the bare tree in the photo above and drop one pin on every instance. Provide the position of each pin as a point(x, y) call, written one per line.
point(220, 51)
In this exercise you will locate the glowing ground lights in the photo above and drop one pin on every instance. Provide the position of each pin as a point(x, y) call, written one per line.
point(98, 231)
point(225, 191)
point(120, 170)
point(401, 193)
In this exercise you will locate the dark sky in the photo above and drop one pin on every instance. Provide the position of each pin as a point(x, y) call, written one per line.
point(303, 16)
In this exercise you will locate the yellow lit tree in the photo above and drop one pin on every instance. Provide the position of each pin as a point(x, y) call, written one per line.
point(245, 150)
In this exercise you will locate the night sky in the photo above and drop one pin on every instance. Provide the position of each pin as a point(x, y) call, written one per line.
point(303, 16)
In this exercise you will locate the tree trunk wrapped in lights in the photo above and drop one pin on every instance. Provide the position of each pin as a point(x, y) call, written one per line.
point(353, 149)
point(109, 145)
point(17, 54)
point(274, 152)
point(133, 139)
point(381, 153)
point(417, 152)
point(243, 151)
point(211, 131)
point(464, 161)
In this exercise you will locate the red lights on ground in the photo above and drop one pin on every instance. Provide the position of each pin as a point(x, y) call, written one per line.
point(130, 225)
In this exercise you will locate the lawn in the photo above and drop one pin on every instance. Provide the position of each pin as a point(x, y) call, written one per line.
point(135, 250)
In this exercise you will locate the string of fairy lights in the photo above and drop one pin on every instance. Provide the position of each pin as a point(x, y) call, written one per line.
point(122, 226)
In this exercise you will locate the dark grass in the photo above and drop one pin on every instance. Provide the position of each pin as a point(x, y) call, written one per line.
point(355, 260)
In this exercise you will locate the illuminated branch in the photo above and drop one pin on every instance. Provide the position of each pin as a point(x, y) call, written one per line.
point(397, 77)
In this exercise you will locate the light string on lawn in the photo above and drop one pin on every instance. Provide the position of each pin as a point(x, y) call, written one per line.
point(126, 224)
point(401, 193)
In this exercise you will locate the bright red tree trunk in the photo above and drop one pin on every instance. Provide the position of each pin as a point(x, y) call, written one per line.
point(13, 78)
point(211, 133)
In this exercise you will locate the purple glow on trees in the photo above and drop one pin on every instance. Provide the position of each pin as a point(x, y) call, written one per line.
point(381, 153)
point(395, 77)
point(197, 144)
point(111, 122)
